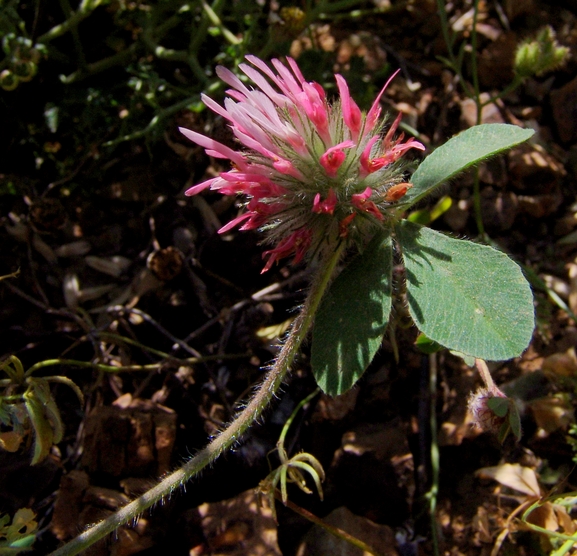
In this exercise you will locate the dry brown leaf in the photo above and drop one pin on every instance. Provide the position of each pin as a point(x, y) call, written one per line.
point(561, 364)
point(133, 440)
point(572, 267)
point(567, 524)
point(319, 542)
point(113, 266)
point(10, 441)
point(143, 283)
point(513, 476)
point(563, 107)
point(17, 229)
point(534, 170)
point(73, 249)
point(553, 517)
point(89, 294)
point(43, 248)
point(544, 516)
point(552, 413)
point(275, 331)
point(558, 285)
point(131, 541)
point(482, 527)
point(71, 290)
point(335, 409)
point(489, 113)
point(68, 504)
point(238, 526)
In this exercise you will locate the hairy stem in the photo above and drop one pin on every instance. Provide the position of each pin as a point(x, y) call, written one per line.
point(233, 432)
point(487, 378)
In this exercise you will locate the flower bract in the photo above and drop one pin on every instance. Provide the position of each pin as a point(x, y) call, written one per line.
point(308, 171)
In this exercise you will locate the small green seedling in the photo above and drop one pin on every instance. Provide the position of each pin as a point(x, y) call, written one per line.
point(29, 410)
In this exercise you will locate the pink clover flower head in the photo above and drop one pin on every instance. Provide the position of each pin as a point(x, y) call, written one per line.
point(306, 166)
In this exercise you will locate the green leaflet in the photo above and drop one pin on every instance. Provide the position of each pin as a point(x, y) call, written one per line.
point(465, 296)
point(352, 318)
point(459, 153)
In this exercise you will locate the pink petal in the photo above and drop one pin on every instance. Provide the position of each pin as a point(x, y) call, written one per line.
point(213, 148)
point(231, 79)
point(279, 99)
point(374, 112)
point(316, 110)
point(234, 222)
point(365, 159)
point(298, 242)
point(287, 78)
point(366, 194)
point(351, 112)
point(267, 71)
point(333, 158)
point(296, 70)
point(328, 205)
point(215, 107)
point(361, 202)
point(200, 187)
point(286, 167)
point(252, 143)
point(387, 141)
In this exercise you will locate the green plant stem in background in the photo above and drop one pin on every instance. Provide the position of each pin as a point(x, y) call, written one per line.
point(474, 93)
point(517, 81)
point(125, 368)
point(565, 547)
point(435, 459)
point(115, 60)
point(477, 97)
point(474, 68)
point(531, 58)
point(84, 10)
point(81, 58)
point(339, 533)
point(570, 540)
point(197, 38)
point(234, 431)
point(216, 21)
point(289, 421)
point(537, 282)
point(161, 117)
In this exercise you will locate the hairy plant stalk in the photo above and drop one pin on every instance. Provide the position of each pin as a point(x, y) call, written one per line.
point(487, 378)
point(255, 407)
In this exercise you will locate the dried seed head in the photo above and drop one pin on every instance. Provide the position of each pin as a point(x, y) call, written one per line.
point(483, 416)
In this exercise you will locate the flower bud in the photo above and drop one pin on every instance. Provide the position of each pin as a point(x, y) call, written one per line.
point(536, 57)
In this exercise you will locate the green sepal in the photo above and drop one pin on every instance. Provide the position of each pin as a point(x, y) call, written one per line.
point(499, 406)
